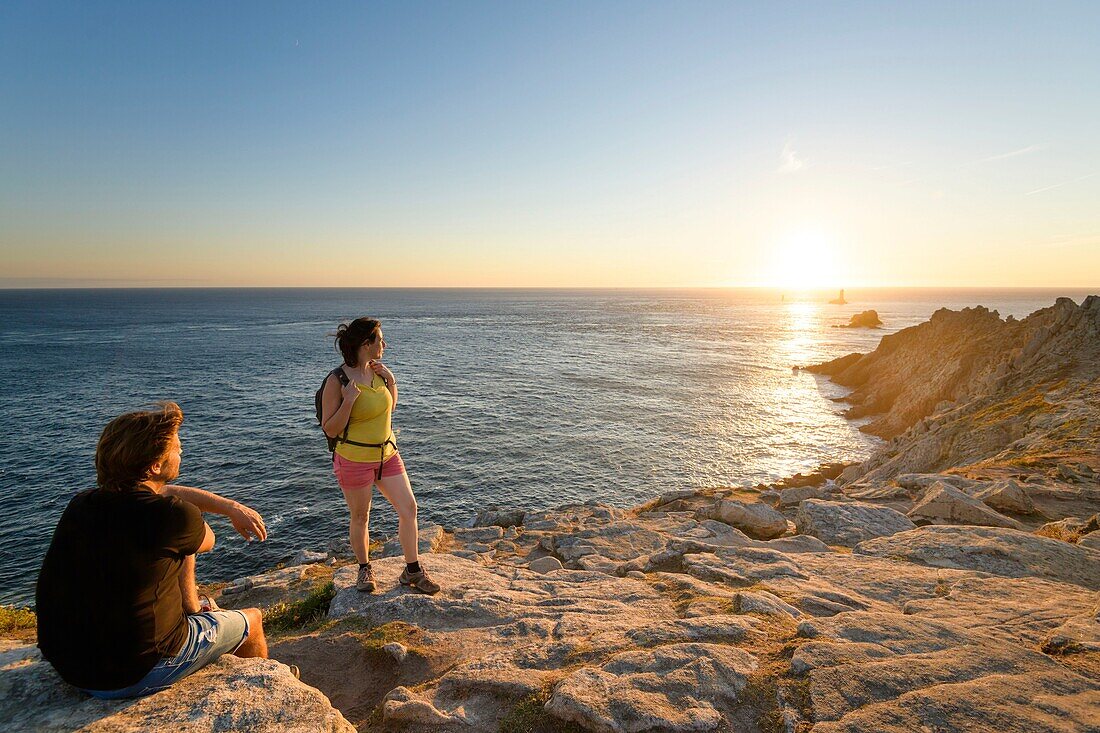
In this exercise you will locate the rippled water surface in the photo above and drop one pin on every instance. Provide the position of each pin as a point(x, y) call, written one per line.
point(526, 398)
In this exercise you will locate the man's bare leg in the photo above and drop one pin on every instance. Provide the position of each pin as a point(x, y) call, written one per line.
point(188, 589)
point(256, 644)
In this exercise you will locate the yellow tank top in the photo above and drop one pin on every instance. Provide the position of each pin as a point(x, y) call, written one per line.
point(370, 423)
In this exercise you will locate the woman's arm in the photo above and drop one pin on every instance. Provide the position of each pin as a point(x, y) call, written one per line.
point(336, 404)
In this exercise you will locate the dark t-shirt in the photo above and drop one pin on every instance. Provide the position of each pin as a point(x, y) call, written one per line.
point(109, 603)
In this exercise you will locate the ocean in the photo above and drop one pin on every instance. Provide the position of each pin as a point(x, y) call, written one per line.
point(528, 398)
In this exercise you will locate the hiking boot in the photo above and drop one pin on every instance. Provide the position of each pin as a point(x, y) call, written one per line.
point(419, 581)
point(365, 582)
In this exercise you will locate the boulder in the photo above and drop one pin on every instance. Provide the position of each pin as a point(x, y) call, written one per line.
point(848, 523)
point(1070, 529)
point(232, 694)
point(792, 496)
point(430, 538)
point(479, 534)
point(998, 551)
point(546, 564)
point(759, 521)
point(1006, 496)
point(944, 504)
point(307, 557)
point(499, 517)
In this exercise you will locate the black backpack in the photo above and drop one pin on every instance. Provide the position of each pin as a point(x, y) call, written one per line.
point(338, 372)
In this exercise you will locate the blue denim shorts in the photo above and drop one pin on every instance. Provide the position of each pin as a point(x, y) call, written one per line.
point(210, 635)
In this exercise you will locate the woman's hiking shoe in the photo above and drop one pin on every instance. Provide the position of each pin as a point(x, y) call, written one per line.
point(295, 671)
point(364, 583)
point(419, 581)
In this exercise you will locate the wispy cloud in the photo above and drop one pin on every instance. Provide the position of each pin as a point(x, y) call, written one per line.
point(979, 161)
point(1012, 153)
point(1059, 185)
point(789, 162)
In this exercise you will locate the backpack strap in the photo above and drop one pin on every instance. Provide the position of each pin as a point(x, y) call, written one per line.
point(342, 376)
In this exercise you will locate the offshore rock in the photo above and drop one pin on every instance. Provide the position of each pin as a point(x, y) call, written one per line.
point(866, 319)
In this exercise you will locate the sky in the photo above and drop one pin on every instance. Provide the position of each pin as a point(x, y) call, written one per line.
point(550, 144)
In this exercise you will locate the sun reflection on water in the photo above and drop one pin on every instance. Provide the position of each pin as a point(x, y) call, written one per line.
point(803, 320)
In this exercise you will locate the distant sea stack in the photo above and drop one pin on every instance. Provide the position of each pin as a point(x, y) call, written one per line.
point(866, 319)
point(839, 299)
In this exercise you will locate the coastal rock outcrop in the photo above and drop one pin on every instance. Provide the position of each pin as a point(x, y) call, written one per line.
point(848, 523)
point(986, 397)
point(229, 695)
point(1006, 552)
point(896, 674)
point(944, 504)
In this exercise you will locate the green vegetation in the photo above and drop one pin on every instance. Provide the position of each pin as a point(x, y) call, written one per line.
point(395, 631)
point(14, 619)
point(529, 716)
point(1024, 403)
point(300, 615)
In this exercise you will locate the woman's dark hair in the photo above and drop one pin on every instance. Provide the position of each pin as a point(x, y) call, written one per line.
point(133, 442)
point(350, 336)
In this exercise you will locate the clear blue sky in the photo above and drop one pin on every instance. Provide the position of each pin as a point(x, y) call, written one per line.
point(555, 143)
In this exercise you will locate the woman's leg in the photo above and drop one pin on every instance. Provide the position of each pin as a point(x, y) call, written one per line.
point(359, 505)
point(398, 492)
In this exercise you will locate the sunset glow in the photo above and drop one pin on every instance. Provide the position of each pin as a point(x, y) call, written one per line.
point(803, 260)
point(392, 145)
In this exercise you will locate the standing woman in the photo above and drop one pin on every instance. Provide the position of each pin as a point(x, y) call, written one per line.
point(356, 413)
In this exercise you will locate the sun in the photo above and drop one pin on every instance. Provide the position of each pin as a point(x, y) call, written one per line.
point(804, 259)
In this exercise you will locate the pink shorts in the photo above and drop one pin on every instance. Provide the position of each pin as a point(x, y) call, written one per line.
point(356, 475)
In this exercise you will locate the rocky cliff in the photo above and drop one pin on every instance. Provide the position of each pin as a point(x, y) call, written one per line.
point(984, 397)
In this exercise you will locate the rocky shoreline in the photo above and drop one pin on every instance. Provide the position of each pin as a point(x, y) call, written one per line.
point(951, 582)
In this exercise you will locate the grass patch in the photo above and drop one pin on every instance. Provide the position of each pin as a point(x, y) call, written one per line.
point(529, 716)
point(1025, 403)
point(13, 620)
point(298, 615)
point(395, 631)
point(1059, 532)
point(943, 588)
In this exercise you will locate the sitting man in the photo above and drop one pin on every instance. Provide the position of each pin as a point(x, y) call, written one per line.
point(118, 611)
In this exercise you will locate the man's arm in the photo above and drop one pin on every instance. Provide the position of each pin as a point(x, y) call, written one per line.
point(245, 520)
